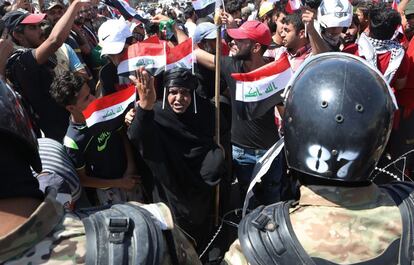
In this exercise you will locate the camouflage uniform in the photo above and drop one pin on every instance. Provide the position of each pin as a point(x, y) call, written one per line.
point(342, 225)
point(48, 237)
point(51, 236)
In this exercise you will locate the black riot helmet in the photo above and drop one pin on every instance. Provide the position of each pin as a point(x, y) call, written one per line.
point(15, 124)
point(338, 118)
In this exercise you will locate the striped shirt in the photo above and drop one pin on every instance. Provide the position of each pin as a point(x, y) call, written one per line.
point(55, 160)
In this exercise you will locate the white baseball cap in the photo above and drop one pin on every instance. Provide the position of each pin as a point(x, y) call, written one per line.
point(112, 35)
point(335, 13)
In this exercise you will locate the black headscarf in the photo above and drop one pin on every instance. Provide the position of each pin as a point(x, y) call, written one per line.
point(195, 131)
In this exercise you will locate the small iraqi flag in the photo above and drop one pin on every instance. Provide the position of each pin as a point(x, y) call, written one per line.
point(292, 6)
point(150, 55)
point(259, 90)
point(107, 113)
point(180, 56)
point(125, 9)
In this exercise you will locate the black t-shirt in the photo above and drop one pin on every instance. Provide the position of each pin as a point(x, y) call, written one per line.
point(260, 133)
point(206, 78)
point(33, 83)
point(110, 80)
point(103, 155)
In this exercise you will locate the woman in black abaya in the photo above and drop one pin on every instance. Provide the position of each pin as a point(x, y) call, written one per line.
point(176, 138)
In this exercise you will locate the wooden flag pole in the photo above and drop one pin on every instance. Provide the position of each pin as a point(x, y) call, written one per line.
point(217, 104)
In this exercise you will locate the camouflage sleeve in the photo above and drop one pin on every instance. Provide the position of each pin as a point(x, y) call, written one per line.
point(235, 255)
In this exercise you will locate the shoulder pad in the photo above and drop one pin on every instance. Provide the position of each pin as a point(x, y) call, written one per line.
point(267, 238)
point(123, 234)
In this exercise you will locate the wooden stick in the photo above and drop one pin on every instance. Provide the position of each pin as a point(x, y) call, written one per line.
point(217, 104)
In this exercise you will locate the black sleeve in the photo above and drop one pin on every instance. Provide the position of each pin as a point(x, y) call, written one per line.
point(213, 166)
point(143, 133)
point(25, 71)
point(227, 65)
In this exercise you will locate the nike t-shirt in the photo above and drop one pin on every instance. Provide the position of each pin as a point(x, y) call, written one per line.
point(102, 155)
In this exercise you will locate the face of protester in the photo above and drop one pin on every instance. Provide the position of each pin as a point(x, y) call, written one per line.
point(139, 33)
point(54, 14)
point(270, 23)
point(243, 49)
point(290, 38)
point(116, 58)
point(83, 99)
point(351, 34)
point(31, 37)
point(179, 99)
point(332, 35)
point(362, 19)
point(279, 24)
point(86, 12)
point(409, 27)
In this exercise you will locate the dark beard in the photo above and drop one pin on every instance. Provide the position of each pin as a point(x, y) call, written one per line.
point(242, 56)
point(348, 40)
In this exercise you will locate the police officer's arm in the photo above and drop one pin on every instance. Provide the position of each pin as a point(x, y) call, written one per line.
point(59, 33)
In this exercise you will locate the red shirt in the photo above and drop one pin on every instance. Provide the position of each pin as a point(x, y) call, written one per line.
point(405, 97)
point(383, 61)
point(410, 55)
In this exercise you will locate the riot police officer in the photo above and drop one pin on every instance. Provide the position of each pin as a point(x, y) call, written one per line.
point(338, 118)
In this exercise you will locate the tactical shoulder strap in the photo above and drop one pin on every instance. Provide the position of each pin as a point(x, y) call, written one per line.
point(123, 234)
point(266, 237)
point(403, 195)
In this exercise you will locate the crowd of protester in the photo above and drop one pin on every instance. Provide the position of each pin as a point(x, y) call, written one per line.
point(59, 57)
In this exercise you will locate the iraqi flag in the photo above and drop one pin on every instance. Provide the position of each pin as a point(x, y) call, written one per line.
point(125, 9)
point(292, 6)
point(260, 90)
point(107, 113)
point(180, 56)
point(150, 55)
